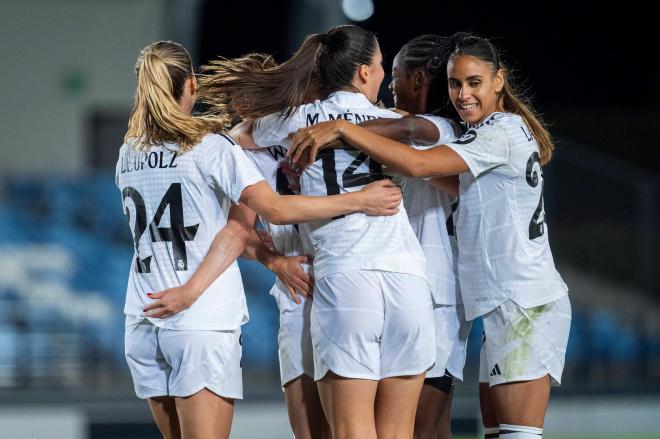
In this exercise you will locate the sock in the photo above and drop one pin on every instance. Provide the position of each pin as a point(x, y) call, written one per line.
point(508, 431)
point(492, 433)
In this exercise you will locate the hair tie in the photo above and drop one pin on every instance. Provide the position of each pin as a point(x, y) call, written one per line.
point(324, 38)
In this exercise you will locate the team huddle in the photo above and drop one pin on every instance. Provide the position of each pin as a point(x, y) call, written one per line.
point(389, 231)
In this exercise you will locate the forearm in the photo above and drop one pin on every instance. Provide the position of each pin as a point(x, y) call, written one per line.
point(293, 209)
point(227, 245)
point(397, 156)
point(258, 251)
point(253, 243)
point(409, 129)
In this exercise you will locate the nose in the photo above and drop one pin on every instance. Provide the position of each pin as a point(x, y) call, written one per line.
point(464, 93)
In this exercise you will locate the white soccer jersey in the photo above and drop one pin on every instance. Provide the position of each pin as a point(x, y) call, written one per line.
point(356, 241)
point(286, 238)
point(502, 238)
point(429, 212)
point(176, 204)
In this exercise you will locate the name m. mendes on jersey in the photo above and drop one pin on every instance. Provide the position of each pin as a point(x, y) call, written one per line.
point(351, 117)
point(154, 159)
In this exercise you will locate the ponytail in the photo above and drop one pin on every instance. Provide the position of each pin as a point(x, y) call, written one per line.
point(325, 63)
point(255, 90)
point(162, 71)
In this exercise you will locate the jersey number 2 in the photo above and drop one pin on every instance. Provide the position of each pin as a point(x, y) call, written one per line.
point(177, 233)
point(532, 174)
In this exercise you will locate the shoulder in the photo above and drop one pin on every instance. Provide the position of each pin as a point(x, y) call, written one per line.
point(449, 129)
point(215, 141)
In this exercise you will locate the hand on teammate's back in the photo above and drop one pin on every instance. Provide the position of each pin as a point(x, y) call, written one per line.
point(289, 270)
point(381, 198)
point(312, 139)
point(169, 302)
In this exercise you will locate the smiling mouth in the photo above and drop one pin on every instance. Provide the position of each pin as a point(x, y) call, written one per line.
point(467, 107)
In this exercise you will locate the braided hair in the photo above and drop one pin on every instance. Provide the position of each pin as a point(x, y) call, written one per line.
point(431, 52)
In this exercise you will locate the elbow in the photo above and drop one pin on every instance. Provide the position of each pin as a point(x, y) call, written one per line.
point(274, 215)
point(407, 129)
point(413, 168)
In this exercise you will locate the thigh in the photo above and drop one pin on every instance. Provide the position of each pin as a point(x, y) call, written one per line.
point(349, 406)
point(521, 403)
point(205, 415)
point(396, 405)
point(433, 416)
point(408, 344)
point(304, 408)
point(163, 409)
point(347, 325)
point(203, 359)
point(146, 362)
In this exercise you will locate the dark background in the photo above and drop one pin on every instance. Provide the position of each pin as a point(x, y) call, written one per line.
point(590, 68)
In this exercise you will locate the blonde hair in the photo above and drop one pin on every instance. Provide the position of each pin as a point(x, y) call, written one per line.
point(162, 70)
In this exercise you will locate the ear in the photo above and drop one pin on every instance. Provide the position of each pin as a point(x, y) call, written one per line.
point(419, 79)
point(499, 80)
point(192, 85)
point(363, 73)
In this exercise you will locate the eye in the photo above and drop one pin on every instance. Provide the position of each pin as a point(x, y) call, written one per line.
point(474, 84)
point(454, 84)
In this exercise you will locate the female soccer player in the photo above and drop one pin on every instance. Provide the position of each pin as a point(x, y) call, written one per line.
point(506, 269)
point(372, 321)
point(178, 181)
point(419, 85)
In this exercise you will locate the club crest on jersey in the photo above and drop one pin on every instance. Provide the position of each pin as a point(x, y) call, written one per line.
point(466, 138)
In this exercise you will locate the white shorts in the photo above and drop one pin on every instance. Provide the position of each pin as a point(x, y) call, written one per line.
point(294, 339)
point(525, 344)
point(451, 334)
point(372, 325)
point(166, 362)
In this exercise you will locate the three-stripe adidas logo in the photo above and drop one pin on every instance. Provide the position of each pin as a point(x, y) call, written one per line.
point(496, 370)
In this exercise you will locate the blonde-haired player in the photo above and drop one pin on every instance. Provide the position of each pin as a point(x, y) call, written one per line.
point(188, 191)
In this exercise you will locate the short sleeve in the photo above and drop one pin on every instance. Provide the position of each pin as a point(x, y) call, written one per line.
point(483, 147)
point(228, 168)
point(448, 130)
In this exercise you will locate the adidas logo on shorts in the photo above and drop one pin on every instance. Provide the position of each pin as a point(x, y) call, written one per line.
point(496, 370)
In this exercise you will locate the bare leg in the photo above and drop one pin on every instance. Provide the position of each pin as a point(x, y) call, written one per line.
point(205, 415)
point(349, 406)
point(163, 409)
point(304, 407)
point(522, 403)
point(433, 418)
point(488, 415)
point(396, 404)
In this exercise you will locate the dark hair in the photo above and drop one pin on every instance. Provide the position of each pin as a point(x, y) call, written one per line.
point(431, 53)
point(510, 99)
point(330, 60)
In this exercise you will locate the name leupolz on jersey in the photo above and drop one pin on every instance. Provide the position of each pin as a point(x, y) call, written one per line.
point(150, 160)
point(349, 177)
point(178, 233)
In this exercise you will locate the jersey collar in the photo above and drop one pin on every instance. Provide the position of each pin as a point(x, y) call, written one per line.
point(349, 99)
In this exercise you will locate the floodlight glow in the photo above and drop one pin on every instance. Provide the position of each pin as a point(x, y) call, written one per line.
point(358, 10)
